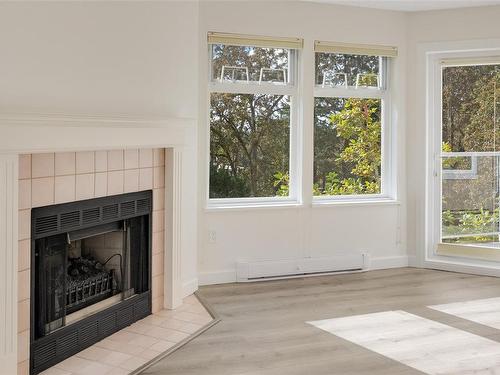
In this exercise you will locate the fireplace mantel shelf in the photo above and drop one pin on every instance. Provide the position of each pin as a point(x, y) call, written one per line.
point(53, 132)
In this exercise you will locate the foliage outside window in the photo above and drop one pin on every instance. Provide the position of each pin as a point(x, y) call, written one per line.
point(250, 102)
point(470, 142)
point(347, 127)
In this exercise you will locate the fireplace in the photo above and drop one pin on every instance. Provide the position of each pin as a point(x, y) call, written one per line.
point(91, 273)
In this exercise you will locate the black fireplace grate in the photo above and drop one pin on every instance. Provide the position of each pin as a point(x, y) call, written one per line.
point(80, 292)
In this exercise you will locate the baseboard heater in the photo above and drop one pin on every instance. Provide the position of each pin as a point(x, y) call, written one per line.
point(273, 269)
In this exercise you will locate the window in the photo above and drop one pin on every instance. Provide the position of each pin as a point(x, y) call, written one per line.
point(350, 119)
point(252, 90)
point(470, 150)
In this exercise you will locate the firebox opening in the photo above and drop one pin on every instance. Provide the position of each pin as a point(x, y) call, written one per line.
point(97, 269)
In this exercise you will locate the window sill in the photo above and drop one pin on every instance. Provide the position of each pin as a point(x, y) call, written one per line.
point(243, 206)
point(317, 203)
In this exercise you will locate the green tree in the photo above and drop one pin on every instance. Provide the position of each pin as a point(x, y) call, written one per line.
point(357, 127)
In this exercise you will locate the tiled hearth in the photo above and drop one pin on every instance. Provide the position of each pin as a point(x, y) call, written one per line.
point(52, 178)
point(138, 344)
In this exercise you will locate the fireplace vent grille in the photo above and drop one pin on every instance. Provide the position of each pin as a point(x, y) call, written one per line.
point(110, 212)
point(70, 220)
point(128, 208)
point(46, 224)
point(47, 221)
point(92, 216)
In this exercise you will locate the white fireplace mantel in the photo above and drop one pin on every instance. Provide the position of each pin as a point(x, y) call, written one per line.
point(34, 133)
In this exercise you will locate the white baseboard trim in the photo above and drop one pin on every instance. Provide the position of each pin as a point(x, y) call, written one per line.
point(219, 277)
point(229, 276)
point(412, 261)
point(189, 287)
point(388, 262)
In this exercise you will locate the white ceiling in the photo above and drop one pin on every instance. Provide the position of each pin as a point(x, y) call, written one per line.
point(412, 5)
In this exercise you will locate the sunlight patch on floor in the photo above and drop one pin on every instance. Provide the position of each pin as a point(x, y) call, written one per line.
point(482, 311)
point(423, 344)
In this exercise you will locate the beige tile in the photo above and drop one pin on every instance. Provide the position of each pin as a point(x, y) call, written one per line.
point(167, 334)
point(125, 337)
point(157, 264)
point(180, 325)
point(23, 315)
point(101, 184)
point(158, 157)
point(55, 371)
point(84, 186)
point(149, 354)
point(157, 286)
point(81, 366)
point(158, 177)
point(65, 163)
point(121, 347)
point(157, 304)
point(131, 159)
point(106, 356)
point(42, 165)
point(146, 158)
point(118, 371)
point(24, 166)
point(115, 160)
point(24, 224)
point(138, 327)
point(73, 364)
point(158, 221)
point(101, 161)
point(134, 363)
point(23, 346)
point(115, 182)
point(145, 178)
point(23, 285)
point(194, 308)
point(23, 255)
point(23, 368)
point(153, 320)
point(194, 318)
point(191, 300)
point(158, 242)
point(131, 180)
point(163, 346)
point(85, 162)
point(42, 191)
point(158, 199)
point(65, 189)
point(24, 194)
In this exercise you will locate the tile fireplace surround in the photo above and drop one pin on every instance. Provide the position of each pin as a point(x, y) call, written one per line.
point(49, 160)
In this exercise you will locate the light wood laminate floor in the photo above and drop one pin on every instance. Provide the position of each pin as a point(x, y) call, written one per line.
point(264, 331)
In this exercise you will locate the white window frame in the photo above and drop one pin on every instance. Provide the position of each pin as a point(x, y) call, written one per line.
point(291, 89)
point(437, 252)
point(383, 92)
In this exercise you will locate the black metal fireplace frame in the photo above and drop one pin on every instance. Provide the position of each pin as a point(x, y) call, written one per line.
point(78, 216)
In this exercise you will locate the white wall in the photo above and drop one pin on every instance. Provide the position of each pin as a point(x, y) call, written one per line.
point(288, 233)
point(130, 59)
point(458, 25)
point(126, 58)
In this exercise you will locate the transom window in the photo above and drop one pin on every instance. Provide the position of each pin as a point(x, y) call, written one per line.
point(252, 93)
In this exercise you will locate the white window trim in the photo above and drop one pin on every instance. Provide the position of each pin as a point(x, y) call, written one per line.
point(292, 91)
point(387, 180)
point(450, 256)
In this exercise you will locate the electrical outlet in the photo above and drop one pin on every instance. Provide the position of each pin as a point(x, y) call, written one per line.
point(212, 236)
